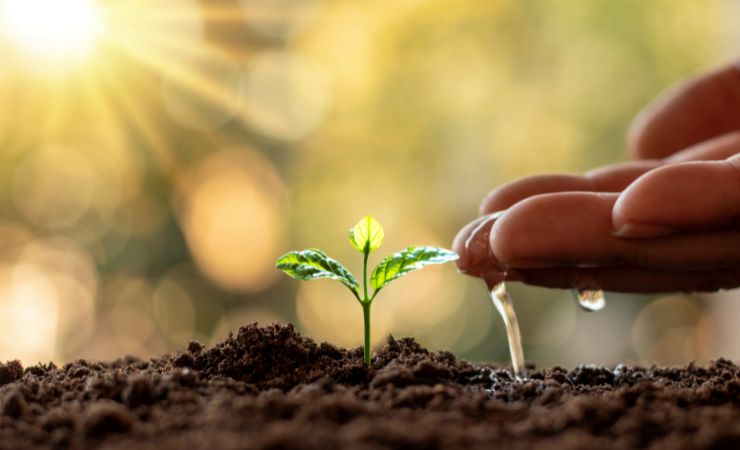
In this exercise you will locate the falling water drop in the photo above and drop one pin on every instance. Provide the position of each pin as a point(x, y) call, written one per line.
point(590, 299)
point(501, 299)
point(498, 294)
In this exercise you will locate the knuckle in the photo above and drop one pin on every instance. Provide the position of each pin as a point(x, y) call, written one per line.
point(635, 255)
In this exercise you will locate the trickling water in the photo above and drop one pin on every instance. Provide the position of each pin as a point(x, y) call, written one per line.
point(501, 299)
point(590, 299)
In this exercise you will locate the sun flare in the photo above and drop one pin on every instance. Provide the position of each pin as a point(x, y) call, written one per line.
point(51, 29)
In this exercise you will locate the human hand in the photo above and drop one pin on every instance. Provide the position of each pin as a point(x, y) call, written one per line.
point(669, 221)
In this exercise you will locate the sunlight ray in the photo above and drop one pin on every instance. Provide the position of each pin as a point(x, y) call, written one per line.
point(186, 75)
point(138, 116)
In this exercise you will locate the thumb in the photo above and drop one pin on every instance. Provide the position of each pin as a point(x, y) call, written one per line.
point(680, 197)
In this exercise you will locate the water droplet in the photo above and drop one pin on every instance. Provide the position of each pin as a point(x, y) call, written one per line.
point(502, 301)
point(590, 299)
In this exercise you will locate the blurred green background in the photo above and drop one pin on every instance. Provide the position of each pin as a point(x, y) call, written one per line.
point(156, 156)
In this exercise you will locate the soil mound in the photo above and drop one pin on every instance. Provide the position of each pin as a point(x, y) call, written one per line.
point(270, 388)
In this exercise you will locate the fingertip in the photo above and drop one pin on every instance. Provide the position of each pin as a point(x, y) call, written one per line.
point(512, 193)
point(472, 246)
point(684, 196)
point(459, 247)
point(505, 243)
point(521, 230)
point(636, 210)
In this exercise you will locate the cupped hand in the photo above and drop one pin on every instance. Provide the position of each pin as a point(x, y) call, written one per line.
point(668, 221)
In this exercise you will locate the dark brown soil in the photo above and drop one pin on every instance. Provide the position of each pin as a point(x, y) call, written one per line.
point(269, 388)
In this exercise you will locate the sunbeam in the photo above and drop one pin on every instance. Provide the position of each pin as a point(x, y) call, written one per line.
point(52, 29)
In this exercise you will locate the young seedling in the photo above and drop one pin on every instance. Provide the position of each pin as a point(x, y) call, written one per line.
point(366, 236)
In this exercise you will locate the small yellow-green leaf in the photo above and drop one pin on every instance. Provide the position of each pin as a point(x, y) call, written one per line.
point(408, 260)
point(367, 235)
point(312, 264)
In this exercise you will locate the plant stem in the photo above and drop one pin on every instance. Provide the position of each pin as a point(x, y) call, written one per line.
point(366, 317)
point(364, 273)
point(366, 302)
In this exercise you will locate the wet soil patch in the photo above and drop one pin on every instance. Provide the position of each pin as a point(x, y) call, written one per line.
point(270, 388)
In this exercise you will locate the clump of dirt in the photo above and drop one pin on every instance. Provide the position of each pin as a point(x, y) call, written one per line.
point(10, 372)
point(270, 388)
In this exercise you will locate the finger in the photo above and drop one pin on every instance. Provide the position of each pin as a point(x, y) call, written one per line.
point(721, 147)
point(616, 177)
point(612, 178)
point(461, 245)
point(575, 229)
point(511, 193)
point(472, 244)
point(680, 197)
point(692, 112)
point(633, 279)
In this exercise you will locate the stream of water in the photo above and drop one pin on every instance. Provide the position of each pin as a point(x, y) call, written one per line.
point(500, 297)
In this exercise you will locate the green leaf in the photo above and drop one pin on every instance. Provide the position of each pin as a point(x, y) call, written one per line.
point(312, 264)
point(367, 235)
point(408, 260)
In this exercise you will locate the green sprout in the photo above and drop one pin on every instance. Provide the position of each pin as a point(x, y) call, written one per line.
point(366, 236)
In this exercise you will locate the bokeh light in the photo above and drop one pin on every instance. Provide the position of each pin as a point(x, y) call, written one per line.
point(285, 96)
point(29, 314)
point(279, 19)
point(174, 313)
point(157, 156)
point(53, 186)
point(129, 301)
point(49, 288)
point(668, 330)
point(230, 213)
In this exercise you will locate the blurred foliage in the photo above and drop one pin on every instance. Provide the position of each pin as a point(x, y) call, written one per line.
point(147, 188)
